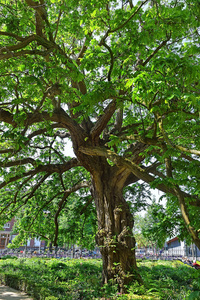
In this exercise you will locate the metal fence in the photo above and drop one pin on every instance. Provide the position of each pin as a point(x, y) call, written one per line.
point(51, 254)
point(170, 254)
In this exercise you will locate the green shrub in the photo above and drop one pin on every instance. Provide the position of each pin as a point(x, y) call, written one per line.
point(9, 257)
point(194, 295)
point(53, 279)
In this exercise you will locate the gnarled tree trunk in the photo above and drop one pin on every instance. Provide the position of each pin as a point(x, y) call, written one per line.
point(115, 227)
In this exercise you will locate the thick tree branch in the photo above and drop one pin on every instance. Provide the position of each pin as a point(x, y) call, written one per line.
point(7, 117)
point(195, 201)
point(24, 53)
point(62, 135)
point(49, 45)
point(118, 121)
point(41, 14)
point(20, 162)
point(136, 137)
point(103, 120)
point(51, 168)
point(187, 157)
point(119, 161)
point(131, 4)
point(36, 5)
point(155, 51)
point(133, 167)
point(59, 116)
point(184, 211)
point(26, 41)
point(15, 36)
point(132, 178)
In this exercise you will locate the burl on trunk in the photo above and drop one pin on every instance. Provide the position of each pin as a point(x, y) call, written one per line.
point(115, 225)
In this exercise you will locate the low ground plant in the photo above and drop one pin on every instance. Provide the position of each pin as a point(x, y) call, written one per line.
point(80, 279)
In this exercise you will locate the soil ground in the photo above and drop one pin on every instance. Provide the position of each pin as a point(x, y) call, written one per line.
point(7, 293)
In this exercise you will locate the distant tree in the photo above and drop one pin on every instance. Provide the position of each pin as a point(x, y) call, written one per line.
point(152, 230)
point(141, 240)
point(164, 222)
point(78, 224)
point(120, 80)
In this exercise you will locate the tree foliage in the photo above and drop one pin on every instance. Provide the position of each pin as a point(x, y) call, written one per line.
point(120, 79)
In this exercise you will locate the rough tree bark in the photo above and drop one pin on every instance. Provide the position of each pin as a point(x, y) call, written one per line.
point(115, 223)
point(115, 235)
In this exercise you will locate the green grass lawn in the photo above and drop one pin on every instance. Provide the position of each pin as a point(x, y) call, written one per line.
point(53, 279)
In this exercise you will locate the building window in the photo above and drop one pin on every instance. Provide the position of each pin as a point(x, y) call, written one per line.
point(7, 225)
point(3, 242)
point(3, 235)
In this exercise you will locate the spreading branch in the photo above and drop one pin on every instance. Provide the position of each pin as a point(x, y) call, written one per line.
point(13, 35)
point(180, 196)
point(170, 143)
point(59, 116)
point(13, 151)
point(133, 167)
point(155, 51)
point(36, 187)
point(20, 162)
point(111, 60)
point(40, 16)
point(122, 25)
point(83, 49)
point(131, 17)
point(26, 41)
point(50, 168)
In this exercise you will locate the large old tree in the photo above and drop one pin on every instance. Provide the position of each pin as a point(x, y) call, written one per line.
point(120, 79)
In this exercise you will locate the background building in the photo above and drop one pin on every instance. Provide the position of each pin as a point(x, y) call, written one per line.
point(175, 247)
point(6, 237)
point(5, 234)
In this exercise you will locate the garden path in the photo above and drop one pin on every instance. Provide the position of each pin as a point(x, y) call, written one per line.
point(7, 293)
